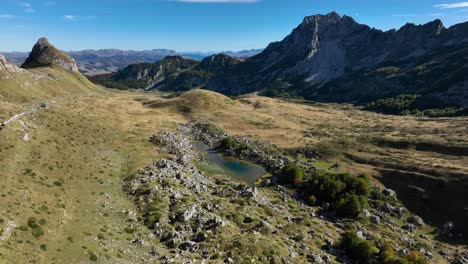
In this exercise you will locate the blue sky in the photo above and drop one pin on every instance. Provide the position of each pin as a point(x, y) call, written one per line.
point(195, 25)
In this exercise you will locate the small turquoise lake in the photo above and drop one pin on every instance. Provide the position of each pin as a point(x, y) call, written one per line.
point(215, 163)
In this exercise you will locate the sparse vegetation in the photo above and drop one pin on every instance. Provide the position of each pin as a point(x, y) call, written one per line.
point(388, 256)
point(413, 104)
point(358, 249)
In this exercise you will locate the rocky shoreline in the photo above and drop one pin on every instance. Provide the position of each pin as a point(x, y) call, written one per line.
point(260, 153)
point(191, 213)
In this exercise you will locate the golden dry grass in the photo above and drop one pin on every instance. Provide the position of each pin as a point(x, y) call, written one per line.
point(89, 141)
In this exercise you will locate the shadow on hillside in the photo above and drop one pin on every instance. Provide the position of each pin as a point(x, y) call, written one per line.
point(435, 200)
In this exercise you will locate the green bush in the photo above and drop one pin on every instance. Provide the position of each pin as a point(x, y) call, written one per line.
point(23, 228)
point(327, 187)
point(350, 205)
point(92, 256)
point(36, 229)
point(292, 174)
point(312, 200)
point(357, 248)
point(32, 222)
point(37, 232)
point(227, 143)
point(43, 247)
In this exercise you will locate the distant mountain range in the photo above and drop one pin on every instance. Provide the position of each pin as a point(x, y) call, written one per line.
point(93, 62)
point(331, 58)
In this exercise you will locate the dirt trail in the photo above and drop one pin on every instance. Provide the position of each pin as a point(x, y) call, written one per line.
point(32, 109)
point(18, 116)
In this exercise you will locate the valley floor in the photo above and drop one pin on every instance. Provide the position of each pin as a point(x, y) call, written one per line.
point(61, 168)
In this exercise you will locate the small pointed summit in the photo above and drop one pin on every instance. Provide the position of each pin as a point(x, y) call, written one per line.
point(45, 54)
point(330, 18)
point(334, 15)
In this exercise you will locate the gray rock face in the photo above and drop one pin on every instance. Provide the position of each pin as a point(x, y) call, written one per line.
point(217, 63)
point(326, 47)
point(313, 49)
point(45, 54)
point(6, 66)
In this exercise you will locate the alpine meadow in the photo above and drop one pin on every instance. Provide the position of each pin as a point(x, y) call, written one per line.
point(208, 131)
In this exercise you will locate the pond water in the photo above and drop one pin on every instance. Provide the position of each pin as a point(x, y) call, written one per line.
point(215, 163)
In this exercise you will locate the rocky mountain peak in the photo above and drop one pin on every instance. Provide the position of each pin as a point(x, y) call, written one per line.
point(218, 62)
point(330, 18)
point(45, 54)
point(2, 59)
point(175, 57)
point(433, 28)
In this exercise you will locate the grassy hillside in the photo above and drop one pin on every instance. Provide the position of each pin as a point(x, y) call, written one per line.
point(62, 199)
point(42, 84)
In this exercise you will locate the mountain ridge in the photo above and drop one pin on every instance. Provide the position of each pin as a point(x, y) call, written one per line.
point(324, 51)
point(103, 61)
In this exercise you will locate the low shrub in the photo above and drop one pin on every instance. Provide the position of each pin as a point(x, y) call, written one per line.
point(43, 247)
point(350, 205)
point(292, 174)
point(36, 230)
point(358, 249)
point(312, 200)
point(227, 143)
point(346, 192)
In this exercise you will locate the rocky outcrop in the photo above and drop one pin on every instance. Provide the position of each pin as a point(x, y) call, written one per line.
point(45, 54)
point(6, 66)
point(190, 213)
point(149, 75)
point(218, 63)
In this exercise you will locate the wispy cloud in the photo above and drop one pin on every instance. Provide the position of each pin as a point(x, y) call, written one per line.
point(28, 7)
point(70, 17)
point(453, 5)
point(217, 1)
point(7, 16)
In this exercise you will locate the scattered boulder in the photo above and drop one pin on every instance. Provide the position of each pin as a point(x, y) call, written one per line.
point(315, 258)
point(389, 192)
point(414, 219)
point(187, 215)
point(410, 227)
point(448, 227)
point(375, 219)
point(365, 213)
